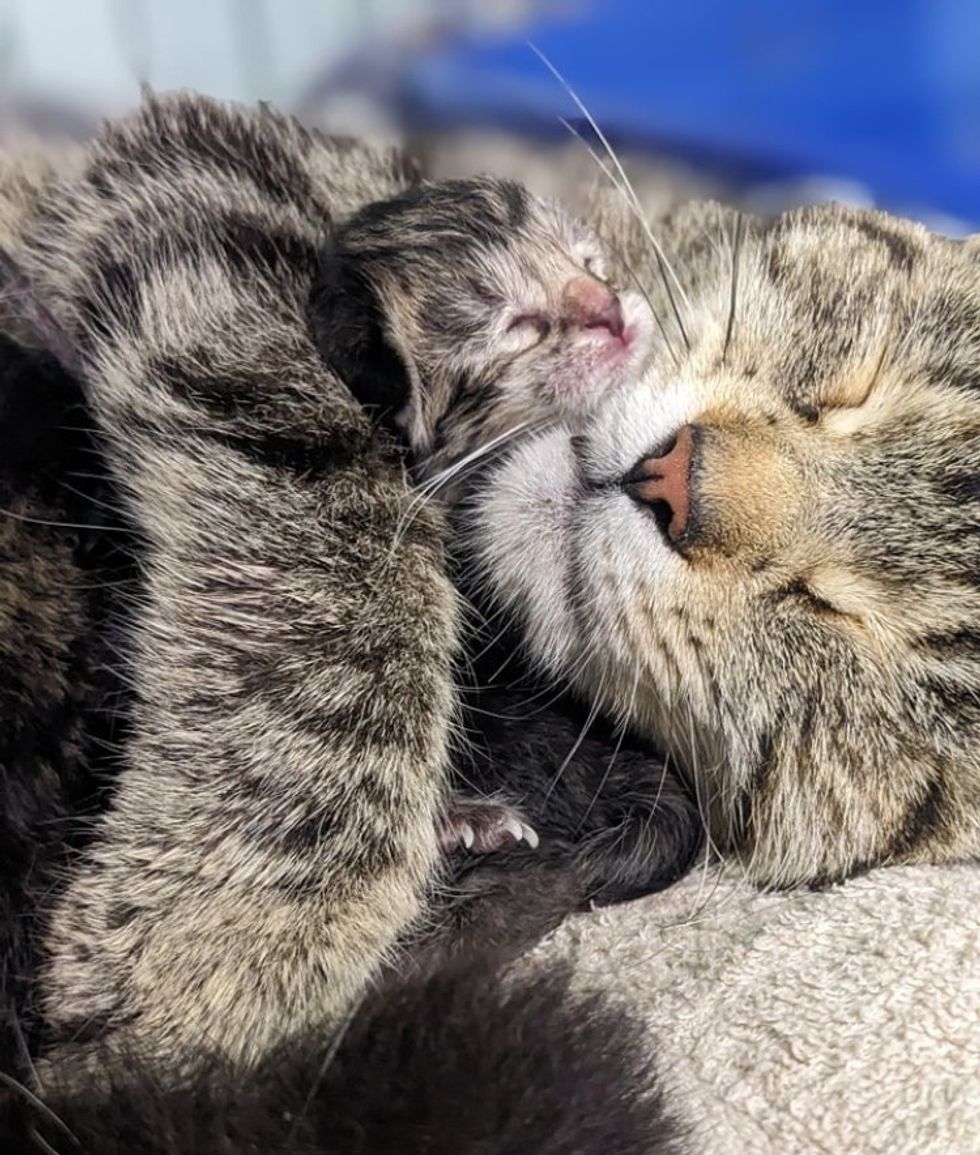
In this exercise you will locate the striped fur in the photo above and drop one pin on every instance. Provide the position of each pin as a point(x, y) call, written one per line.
point(289, 647)
point(447, 306)
point(809, 651)
point(273, 828)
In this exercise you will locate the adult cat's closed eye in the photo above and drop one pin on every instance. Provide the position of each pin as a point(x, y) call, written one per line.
point(766, 552)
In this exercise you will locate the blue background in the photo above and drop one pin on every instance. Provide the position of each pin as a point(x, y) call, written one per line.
point(883, 91)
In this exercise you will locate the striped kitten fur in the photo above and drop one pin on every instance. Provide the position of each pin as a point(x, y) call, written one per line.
point(273, 826)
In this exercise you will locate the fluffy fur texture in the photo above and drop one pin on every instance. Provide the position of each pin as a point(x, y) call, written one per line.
point(808, 648)
point(273, 825)
point(286, 614)
point(65, 572)
point(465, 1062)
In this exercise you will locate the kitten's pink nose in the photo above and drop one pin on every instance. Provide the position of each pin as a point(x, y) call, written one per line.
point(589, 304)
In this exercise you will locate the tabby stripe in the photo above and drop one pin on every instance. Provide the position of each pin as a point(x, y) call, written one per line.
point(923, 819)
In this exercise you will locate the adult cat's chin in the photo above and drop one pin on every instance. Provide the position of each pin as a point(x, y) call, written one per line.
point(553, 509)
point(519, 532)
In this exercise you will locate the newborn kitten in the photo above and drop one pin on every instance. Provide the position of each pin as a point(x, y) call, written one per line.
point(471, 311)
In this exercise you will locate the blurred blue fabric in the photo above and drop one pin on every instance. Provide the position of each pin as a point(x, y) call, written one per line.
point(886, 92)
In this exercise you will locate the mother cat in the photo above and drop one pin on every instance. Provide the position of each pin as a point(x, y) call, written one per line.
point(767, 551)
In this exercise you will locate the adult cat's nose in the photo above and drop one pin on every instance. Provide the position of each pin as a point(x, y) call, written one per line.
point(590, 304)
point(664, 482)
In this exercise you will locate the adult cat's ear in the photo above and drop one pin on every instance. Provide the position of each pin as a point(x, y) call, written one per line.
point(355, 337)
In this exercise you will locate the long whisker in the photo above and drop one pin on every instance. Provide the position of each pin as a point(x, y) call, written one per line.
point(621, 734)
point(664, 264)
point(28, 520)
point(586, 727)
point(39, 1105)
point(429, 488)
point(611, 177)
point(736, 253)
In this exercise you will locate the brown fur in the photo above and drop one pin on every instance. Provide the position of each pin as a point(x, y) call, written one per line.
point(424, 305)
point(273, 829)
point(273, 826)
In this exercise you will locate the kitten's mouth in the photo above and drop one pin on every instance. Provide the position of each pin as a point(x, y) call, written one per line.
point(622, 352)
point(603, 358)
point(637, 335)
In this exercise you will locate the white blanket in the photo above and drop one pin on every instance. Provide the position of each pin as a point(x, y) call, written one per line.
point(845, 1021)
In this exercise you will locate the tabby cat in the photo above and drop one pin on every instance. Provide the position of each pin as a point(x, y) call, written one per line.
point(766, 551)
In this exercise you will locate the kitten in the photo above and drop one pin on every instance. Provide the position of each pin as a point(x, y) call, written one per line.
point(470, 312)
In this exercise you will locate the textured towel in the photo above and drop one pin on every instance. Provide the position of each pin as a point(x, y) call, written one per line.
point(844, 1021)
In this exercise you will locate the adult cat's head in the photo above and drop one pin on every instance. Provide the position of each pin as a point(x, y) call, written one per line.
point(766, 553)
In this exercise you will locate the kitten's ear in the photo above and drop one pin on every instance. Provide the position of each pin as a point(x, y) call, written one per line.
point(355, 337)
point(29, 318)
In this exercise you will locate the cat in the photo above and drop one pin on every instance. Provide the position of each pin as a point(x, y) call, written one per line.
point(765, 553)
point(785, 323)
point(464, 349)
point(275, 640)
point(258, 490)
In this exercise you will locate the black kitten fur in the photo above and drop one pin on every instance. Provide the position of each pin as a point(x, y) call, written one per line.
point(466, 1062)
point(65, 566)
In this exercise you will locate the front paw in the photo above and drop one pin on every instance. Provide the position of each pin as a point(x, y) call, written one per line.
point(645, 846)
point(482, 826)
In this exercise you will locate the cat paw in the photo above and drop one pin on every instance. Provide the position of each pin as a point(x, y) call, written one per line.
point(482, 826)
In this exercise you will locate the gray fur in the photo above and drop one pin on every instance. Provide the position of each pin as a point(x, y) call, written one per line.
point(273, 829)
point(466, 286)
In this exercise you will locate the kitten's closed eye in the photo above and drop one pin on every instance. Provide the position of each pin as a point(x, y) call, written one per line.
point(529, 328)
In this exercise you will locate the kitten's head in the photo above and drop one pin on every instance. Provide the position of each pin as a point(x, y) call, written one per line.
point(766, 551)
point(469, 308)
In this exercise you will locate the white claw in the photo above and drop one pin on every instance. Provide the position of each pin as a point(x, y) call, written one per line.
point(512, 826)
point(467, 835)
point(531, 837)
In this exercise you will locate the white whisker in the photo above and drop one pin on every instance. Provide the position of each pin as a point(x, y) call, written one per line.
point(665, 265)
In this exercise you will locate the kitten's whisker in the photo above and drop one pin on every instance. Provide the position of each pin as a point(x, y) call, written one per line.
point(39, 1105)
point(665, 266)
point(432, 485)
point(28, 520)
point(646, 296)
point(611, 177)
point(586, 726)
point(620, 735)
